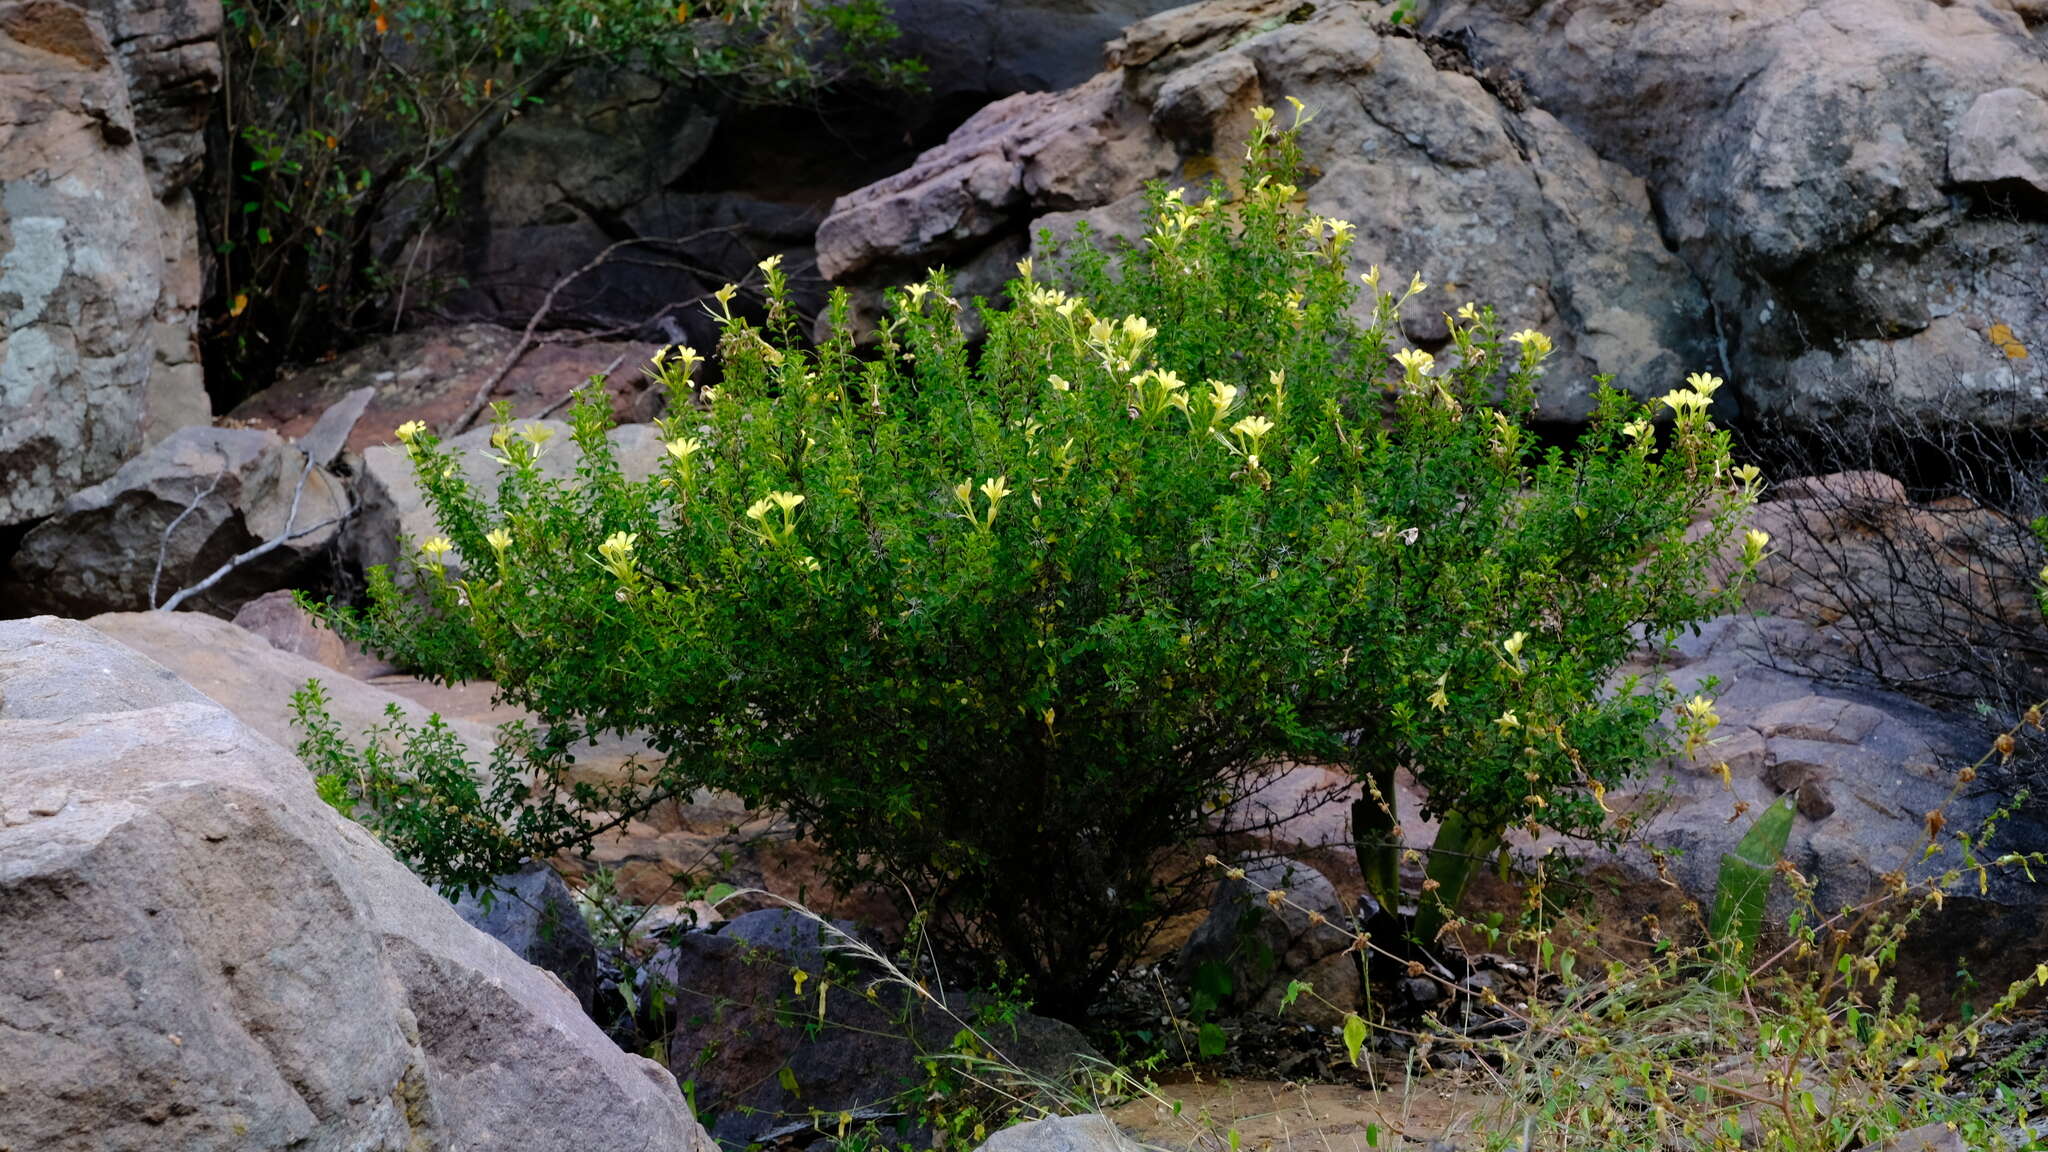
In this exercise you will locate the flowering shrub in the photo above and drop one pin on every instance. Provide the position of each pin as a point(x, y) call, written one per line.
point(1006, 628)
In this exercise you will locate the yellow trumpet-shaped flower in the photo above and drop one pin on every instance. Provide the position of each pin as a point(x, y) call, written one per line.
point(499, 540)
point(787, 501)
point(1514, 643)
point(995, 488)
point(684, 447)
point(1439, 699)
point(410, 431)
point(758, 510)
point(437, 547)
point(1535, 346)
point(1414, 362)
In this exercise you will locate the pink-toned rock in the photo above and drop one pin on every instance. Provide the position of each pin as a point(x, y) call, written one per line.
point(431, 375)
point(1486, 198)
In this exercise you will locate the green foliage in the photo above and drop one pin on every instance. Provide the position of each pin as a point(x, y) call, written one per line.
point(1741, 889)
point(1005, 629)
point(351, 124)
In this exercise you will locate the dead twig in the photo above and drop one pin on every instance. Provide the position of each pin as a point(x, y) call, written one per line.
point(527, 337)
point(284, 536)
point(163, 545)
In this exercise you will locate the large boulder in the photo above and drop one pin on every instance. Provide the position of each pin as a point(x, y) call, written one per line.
point(1262, 947)
point(170, 53)
point(534, 914)
point(393, 509)
point(773, 1054)
point(202, 955)
point(172, 516)
point(1854, 180)
point(248, 676)
point(1444, 173)
point(79, 263)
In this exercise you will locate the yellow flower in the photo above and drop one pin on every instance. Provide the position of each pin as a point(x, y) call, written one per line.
point(436, 547)
point(758, 510)
point(1748, 474)
point(1703, 383)
point(1753, 543)
point(995, 488)
point(1438, 699)
point(787, 501)
point(917, 293)
point(1138, 330)
point(1262, 114)
point(1514, 644)
point(1416, 287)
point(1535, 346)
point(537, 434)
point(1469, 311)
point(1222, 397)
point(410, 431)
point(964, 492)
point(769, 265)
point(1508, 720)
point(1371, 277)
point(1024, 268)
point(1253, 428)
point(499, 539)
point(684, 447)
point(1414, 362)
point(1059, 383)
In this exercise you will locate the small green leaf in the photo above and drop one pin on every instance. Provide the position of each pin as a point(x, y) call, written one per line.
point(787, 1079)
point(1294, 990)
point(1354, 1036)
point(1210, 1041)
point(718, 893)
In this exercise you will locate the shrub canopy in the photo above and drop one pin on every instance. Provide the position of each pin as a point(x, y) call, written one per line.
point(1007, 628)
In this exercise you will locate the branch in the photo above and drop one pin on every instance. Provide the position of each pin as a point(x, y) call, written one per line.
point(527, 339)
point(163, 545)
point(284, 536)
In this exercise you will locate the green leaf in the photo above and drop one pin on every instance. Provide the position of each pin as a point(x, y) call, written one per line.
point(718, 893)
point(787, 1078)
point(1210, 1041)
point(1294, 990)
point(1354, 1036)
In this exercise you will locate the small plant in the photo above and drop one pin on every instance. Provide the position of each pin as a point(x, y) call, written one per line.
point(351, 125)
point(1008, 629)
point(1741, 890)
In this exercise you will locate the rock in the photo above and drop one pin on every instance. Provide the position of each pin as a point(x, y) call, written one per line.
point(394, 509)
point(79, 265)
point(533, 913)
point(1487, 199)
point(169, 52)
point(734, 1035)
point(1861, 238)
point(2004, 136)
point(100, 551)
point(1864, 767)
point(1926, 1138)
point(431, 374)
point(1089, 1133)
point(1263, 948)
point(992, 48)
point(241, 672)
point(277, 618)
point(202, 955)
point(1936, 599)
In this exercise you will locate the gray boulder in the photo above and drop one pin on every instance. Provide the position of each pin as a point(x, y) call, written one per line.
point(202, 955)
point(1853, 180)
point(1444, 174)
point(79, 265)
point(1263, 947)
point(393, 509)
point(533, 913)
point(227, 490)
point(1089, 1133)
point(768, 1056)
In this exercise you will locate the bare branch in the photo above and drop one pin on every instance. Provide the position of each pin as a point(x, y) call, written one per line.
point(284, 536)
point(163, 546)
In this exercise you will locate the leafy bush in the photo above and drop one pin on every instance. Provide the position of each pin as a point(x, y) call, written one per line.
point(350, 125)
point(1007, 629)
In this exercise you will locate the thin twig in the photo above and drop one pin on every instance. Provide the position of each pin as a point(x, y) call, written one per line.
point(469, 414)
point(284, 536)
point(163, 546)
